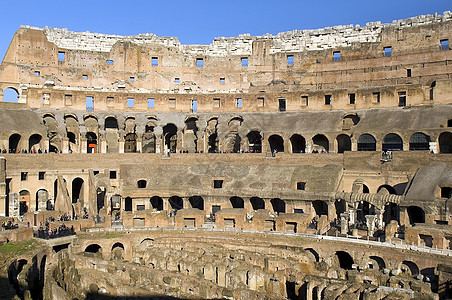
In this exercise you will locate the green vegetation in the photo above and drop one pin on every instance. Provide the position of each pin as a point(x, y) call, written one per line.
point(19, 247)
point(112, 235)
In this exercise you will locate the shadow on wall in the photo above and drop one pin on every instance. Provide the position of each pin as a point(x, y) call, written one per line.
point(95, 296)
point(7, 291)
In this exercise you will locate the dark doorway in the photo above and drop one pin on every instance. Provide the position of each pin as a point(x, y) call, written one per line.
point(298, 143)
point(276, 143)
point(257, 203)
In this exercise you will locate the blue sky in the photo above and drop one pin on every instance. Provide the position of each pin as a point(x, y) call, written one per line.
point(199, 22)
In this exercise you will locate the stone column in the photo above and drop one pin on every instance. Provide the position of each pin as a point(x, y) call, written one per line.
point(13, 205)
point(65, 145)
point(3, 207)
point(344, 223)
point(370, 222)
point(352, 214)
point(379, 218)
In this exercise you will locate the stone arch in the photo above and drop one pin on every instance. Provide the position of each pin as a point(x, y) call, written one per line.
point(445, 142)
point(91, 142)
point(190, 135)
point(176, 202)
point(237, 202)
point(314, 254)
point(117, 251)
point(170, 137)
point(232, 139)
point(128, 204)
point(367, 142)
point(257, 203)
point(409, 267)
point(93, 248)
point(349, 120)
point(344, 259)
point(117, 244)
point(77, 190)
point(130, 143)
point(34, 143)
point(148, 141)
point(298, 143)
point(344, 143)
point(196, 202)
point(156, 203)
point(142, 183)
point(254, 141)
point(320, 207)
point(72, 131)
point(14, 143)
point(24, 202)
point(278, 205)
point(386, 189)
point(111, 123)
point(376, 262)
point(392, 142)
point(321, 143)
point(276, 143)
point(416, 214)
point(211, 135)
point(11, 94)
point(419, 141)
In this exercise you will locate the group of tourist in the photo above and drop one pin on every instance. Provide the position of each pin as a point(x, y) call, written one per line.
point(48, 233)
point(9, 224)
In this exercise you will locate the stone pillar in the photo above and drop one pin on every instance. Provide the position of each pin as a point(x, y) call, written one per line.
point(433, 147)
point(370, 222)
point(103, 145)
point(352, 215)
point(354, 145)
point(13, 205)
point(65, 145)
point(121, 145)
point(403, 216)
point(166, 205)
point(3, 207)
point(83, 146)
point(379, 218)
point(344, 223)
point(139, 144)
point(186, 203)
point(157, 144)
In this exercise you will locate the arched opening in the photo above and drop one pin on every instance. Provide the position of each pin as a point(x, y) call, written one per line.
point(416, 214)
point(377, 263)
point(365, 189)
point(148, 142)
point(276, 143)
point(298, 143)
point(364, 209)
point(34, 143)
point(320, 207)
point(419, 141)
point(128, 204)
point(130, 143)
point(117, 251)
point(431, 91)
point(157, 203)
point(445, 142)
point(392, 142)
point(196, 202)
point(341, 207)
point(24, 202)
point(343, 143)
point(386, 189)
point(142, 183)
point(77, 190)
point(344, 259)
point(254, 142)
point(278, 205)
point(14, 140)
point(10, 95)
point(349, 121)
point(93, 248)
point(111, 123)
point(91, 142)
point(170, 137)
point(100, 198)
point(392, 212)
point(176, 202)
point(367, 142)
point(213, 143)
point(409, 268)
point(314, 255)
point(257, 203)
point(237, 202)
point(117, 245)
point(321, 143)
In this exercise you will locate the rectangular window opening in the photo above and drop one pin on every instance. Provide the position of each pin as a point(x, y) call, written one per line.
point(132, 79)
point(304, 100)
point(199, 62)
point(89, 103)
point(67, 99)
point(216, 102)
point(351, 98)
point(387, 51)
point(218, 184)
point(84, 77)
point(176, 80)
point(41, 175)
point(61, 56)
point(222, 80)
point(130, 102)
point(402, 99)
point(328, 99)
point(112, 174)
point(337, 55)
point(151, 102)
point(301, 185)
point(109, 62)
point(289, 60)
point(154, 61)
point(444, 44)
point(141, 207)
point(110, 101)
point(260, 101)
point(46, 98)
point(376, 97)
point(408, 72)
point(244, 61)
point(172, 103)
point(282, 104)
point(37, 73)
point(23, 176)
point(298, 211)
point(194, 106)
point(238, 102)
